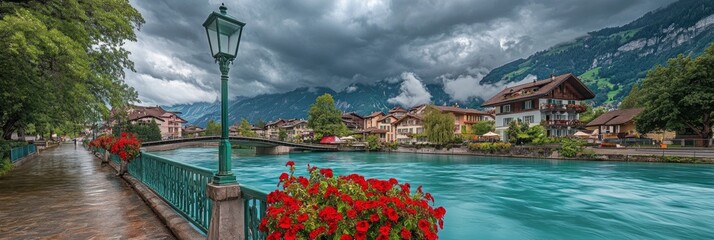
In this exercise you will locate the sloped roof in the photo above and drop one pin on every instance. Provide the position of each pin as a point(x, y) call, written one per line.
point(351, 114)
point(409, 115)
point(397, 109)
point(544, 87)
point(615, 117)
point(156, 112)
point(459, 110)
point(374, 114)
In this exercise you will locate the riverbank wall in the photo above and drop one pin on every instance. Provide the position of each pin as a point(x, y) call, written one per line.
point(551, 152)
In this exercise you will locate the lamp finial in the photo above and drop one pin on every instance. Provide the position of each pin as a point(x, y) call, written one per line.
point(223, 8)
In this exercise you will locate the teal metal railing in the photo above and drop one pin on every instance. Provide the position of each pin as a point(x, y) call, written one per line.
point(181, 185)
point(21, 152)
point(255, 204)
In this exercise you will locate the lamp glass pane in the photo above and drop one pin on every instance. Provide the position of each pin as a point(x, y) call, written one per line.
point(213, 37)
point(227, 31)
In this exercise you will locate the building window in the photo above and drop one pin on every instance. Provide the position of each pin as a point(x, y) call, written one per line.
point(528, 119)
point(506, 108)
point(571, 102)
point(506, 121)
point(528, 105)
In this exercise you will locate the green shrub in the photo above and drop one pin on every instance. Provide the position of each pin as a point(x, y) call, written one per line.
point(588, 153)
point(570, 147)
point(489, 147)
point(5, 166)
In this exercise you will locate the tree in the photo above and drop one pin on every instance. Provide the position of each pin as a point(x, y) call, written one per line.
point(153, 133)
point(325, 119)
point(245, 129)
point(438, 126)
point(63, 61)
point(679, 96)
point(483, 127)
point(591, 113)
point(282, 134)
point(632, 100)
point(213, 128)
point(373, 142)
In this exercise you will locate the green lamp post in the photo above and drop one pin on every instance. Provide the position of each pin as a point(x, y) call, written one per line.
point(224, 33)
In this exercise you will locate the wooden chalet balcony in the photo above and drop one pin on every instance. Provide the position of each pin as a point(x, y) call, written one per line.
point(578, 108)
point(562, 123)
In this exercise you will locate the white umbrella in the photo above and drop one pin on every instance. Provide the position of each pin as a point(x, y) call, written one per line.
point(581, 134)
point(348, 138)
point(491, 134)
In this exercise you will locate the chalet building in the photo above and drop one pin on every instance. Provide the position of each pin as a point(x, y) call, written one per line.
point(296, 129)
point(272, 129)
point(464, 118)
point(192, 131)
point(556, 103)
point(370, 121)
point(353, 121)
point(407, 128)
point(170, 124)
point(260, 132)
point(615, 124)
point(386, 123)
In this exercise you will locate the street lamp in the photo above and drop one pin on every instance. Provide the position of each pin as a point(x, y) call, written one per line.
point(224, 34)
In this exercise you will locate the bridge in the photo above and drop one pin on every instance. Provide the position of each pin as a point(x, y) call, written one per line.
point(262, 145)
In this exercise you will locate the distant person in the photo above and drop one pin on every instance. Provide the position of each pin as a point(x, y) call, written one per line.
point(75, 143)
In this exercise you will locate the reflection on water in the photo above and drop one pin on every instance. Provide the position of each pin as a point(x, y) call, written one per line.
point(504, 198)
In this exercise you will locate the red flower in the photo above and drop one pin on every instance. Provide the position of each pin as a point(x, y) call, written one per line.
point(423, 225)
point(362, 226)
point(392, 215)
point(360, 236)
point(315, 233)
point(384, 230)
point(406, 234)
point(326, 172)
point(274, 236)
point(302, 217)
point(285, 222)
point(307, 208)
point(439, 212)
point(351, 214)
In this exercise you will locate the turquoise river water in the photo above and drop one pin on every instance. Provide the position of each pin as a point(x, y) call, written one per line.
point(503, 198)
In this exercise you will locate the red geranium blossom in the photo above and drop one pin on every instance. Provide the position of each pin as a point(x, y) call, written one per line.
point(324, 206)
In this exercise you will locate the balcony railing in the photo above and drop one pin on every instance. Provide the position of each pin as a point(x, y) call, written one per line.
point(578, 108)
point(562, 123)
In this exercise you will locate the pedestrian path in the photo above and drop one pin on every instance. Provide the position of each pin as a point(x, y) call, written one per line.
point(66, 194)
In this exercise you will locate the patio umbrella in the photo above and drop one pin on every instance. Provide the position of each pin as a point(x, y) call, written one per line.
point(491, 135)
point(581, 134)
point(348, 138)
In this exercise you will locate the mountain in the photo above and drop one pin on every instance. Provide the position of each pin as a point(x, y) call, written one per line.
point(611, 60)
point(360, 98)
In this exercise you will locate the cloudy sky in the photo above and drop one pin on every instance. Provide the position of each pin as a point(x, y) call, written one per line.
point(334, 43)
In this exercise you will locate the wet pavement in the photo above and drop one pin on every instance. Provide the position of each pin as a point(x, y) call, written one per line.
point(66, 194)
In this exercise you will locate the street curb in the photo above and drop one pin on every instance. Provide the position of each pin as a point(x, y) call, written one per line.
point(179, 226)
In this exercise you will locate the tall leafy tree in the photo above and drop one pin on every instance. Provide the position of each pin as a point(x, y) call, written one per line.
point(213, 128)
point(438, 126)
point(325, 119)
point(483, 127)
point(679, 96)
point(632, 100)
point(245, 129)
point(63, 61)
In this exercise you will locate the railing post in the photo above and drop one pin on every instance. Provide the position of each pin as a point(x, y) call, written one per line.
point(227, 220)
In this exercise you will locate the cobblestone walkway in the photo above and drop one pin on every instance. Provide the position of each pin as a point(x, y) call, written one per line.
point(66, 194)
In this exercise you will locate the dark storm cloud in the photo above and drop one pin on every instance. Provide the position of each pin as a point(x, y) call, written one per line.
point(334, 43)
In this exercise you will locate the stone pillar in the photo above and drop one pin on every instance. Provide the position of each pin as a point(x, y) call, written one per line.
point(275, 150)
point(227, 220)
